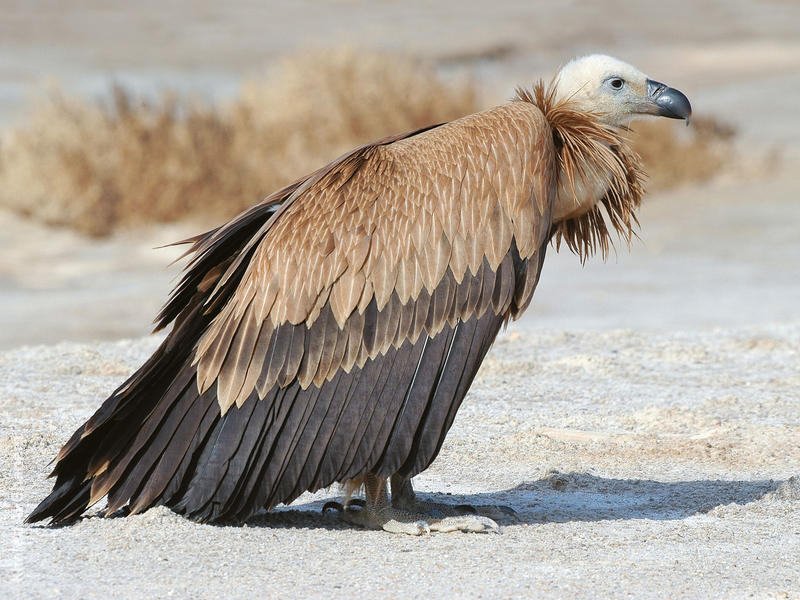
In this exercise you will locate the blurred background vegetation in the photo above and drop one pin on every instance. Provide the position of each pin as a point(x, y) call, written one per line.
point(100, 165)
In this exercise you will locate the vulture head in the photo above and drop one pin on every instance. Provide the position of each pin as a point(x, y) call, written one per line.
point(617, 91)
point(613, 93)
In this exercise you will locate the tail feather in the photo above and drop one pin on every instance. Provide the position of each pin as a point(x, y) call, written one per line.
point(178, 484)
point(137, 447)
point(154, 432)
point(63, 503)
point(94, 458)
point(74, 504)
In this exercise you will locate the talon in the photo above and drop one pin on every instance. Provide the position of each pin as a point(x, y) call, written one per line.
point(357, 502)
point(332, 505)
point(415, 528)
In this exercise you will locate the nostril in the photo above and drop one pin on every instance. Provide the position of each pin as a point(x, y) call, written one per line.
point(655, 88)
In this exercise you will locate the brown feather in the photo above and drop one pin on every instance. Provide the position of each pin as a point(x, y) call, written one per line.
point(396, 217)
point(585, 144)
point(338, 324)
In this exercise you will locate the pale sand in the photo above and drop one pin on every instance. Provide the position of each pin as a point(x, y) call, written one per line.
point(641, 464)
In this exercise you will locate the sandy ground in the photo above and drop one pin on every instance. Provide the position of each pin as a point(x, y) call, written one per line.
point(643, 418)
point(640, 464)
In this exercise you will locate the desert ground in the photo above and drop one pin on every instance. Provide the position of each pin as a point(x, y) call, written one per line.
point(642, 418)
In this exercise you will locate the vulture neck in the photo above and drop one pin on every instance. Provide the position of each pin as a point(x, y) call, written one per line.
point(599, 177)
point(575, 198)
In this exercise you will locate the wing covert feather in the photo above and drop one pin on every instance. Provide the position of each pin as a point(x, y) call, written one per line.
point(408, 233)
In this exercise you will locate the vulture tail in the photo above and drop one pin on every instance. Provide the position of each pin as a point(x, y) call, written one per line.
point(92, 458)
point(118, 451)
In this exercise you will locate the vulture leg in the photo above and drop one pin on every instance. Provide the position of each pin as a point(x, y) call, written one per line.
point(404, 498)
point(422, 518)
point(376, 512)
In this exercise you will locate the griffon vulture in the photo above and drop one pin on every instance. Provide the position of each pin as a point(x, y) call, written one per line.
point(330, 332)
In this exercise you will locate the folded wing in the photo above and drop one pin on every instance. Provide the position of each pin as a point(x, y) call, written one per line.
point(330, 331)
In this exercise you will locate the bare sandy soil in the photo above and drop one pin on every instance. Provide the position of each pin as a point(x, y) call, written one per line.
point(643, 418)
point(640, 464)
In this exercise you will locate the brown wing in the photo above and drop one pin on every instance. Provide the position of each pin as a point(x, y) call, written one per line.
point(382, 230)
point(331, 336)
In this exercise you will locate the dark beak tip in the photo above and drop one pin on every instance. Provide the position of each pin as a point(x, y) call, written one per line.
point(671, 103)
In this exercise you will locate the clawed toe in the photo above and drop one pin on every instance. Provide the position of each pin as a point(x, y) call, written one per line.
point(466, 523)
point(388, 519)
point(497, 511)
point(408, 515)
point(332, 505)
point(407, 527)
point(398, 521)
point(508, 511)
point(339, 507)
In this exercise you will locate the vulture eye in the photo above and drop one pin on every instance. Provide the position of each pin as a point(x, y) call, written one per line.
point(616, 83)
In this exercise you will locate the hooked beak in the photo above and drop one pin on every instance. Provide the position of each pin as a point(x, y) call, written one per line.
point(668, 102)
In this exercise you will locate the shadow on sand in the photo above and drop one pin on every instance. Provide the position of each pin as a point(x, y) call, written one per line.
point(565, 497)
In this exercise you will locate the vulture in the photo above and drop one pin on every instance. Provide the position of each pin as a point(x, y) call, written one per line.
point(330, 332)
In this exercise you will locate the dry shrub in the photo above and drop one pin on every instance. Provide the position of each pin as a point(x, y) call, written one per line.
point(674, 155)
point(320, 105)
point(97, 167)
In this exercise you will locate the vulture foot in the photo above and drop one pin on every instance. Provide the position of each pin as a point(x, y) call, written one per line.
point(404, 514)
point(396, 520)
point(404, 498)
point(386, 518)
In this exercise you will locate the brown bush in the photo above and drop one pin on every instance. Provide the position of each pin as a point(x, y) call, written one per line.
point(99, 167)
point(673, 155)
point(126, 162)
